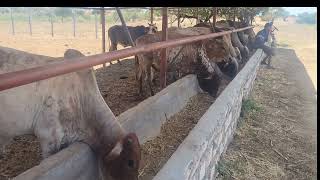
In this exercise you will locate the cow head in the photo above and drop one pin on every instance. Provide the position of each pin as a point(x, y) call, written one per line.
point(122, 163)
point(151, 29)
point(216, 49)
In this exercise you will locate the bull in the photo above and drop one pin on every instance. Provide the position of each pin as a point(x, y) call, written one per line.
point(63, 110)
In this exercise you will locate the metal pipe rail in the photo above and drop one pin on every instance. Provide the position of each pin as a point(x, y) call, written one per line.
point(22, 77)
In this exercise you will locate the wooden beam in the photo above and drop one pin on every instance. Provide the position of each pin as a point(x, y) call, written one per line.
point(163, 60)
point(103, 26)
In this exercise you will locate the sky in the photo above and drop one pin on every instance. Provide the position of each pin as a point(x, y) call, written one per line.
point(298, 10)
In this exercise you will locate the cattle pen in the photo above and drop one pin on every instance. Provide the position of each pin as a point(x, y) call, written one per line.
point(207, 142)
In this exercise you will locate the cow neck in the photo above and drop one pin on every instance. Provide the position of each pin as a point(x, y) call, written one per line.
point(105, 128)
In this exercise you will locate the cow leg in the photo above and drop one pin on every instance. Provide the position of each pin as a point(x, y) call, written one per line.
point(113, 47)
point(148, 71)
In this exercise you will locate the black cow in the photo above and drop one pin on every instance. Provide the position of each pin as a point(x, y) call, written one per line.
point(117, 35)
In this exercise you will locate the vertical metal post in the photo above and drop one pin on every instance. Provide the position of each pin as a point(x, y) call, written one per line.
point(74, 23)
point(51, 21)
point(30, 25)
point(125, 26)
point(151, 15)
point(234, 15)
point(178, 17)
point(103, 26)
point(197, 15)
point(12, 22)
point(163, 60)
point(96, 25)
point(214, 10)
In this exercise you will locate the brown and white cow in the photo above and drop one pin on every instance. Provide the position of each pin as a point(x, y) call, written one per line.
point(63, 110)
point(199, 58)
point(117, 35)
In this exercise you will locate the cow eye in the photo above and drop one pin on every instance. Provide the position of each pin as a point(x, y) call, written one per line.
point(131, 163)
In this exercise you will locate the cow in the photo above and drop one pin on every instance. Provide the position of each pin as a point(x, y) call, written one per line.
point(63, 110)
point(199, 58)
point(236, 44)
point(117, 35)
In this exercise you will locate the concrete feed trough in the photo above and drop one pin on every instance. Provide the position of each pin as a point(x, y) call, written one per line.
point(195, 158)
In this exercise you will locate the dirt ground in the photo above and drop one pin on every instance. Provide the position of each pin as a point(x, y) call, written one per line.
point(276, 137)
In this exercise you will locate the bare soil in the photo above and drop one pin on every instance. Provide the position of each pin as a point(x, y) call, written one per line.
point(277, 138)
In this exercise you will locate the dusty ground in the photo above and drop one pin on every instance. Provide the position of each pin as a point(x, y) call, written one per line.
point(156, 152)
point(276, 138)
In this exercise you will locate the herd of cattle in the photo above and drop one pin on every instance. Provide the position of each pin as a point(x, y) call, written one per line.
point(69, 108)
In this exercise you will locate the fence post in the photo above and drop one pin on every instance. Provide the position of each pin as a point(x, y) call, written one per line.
point(12, 22)
point(74, 23)
point(30, 25)
point(51, 24)
point(96, 25)
point(151, 15)
point(103, 24)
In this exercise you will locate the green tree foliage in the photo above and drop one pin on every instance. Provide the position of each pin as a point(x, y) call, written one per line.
point(307, 18)
point(62, 12)
point(274, 12)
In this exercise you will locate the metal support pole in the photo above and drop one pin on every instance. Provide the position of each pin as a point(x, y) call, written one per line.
point(96, 24)
point(12, 22)
point(51, 21)
point(103, 26)
point(74, 23)
point(163, 60)
point(178, 17)
point(30, 75)
point(30, 25)
point(124, 26)
point(234, 15)
point(214, 10)
point(197, 15)
point(151, 15)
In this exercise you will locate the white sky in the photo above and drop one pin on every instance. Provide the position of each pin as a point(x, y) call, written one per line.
point(298, 10)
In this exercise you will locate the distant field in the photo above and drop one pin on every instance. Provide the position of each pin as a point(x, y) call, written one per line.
point(302, 38)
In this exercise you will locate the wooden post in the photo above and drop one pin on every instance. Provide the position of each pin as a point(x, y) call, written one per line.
point(96, 25)
point(74, 23)
point(51, 21)
point(151, 15)
point(12, 22)
point(103, 26)
point(178, 17)
point(214, 10)
point(163, 60)
point(30, 25)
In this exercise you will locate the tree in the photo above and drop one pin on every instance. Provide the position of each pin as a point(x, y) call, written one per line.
point(63, 12)
point(308, 18)
point(274, 12)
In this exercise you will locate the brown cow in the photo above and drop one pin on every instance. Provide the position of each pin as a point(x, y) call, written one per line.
point(63, 110)
point(186, 59)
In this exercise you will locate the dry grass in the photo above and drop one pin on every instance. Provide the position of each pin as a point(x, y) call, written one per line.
point(268, 143)
point(156, 152)
point(303, 39)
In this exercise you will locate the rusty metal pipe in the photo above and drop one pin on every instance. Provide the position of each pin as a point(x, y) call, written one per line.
point(22, 77)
